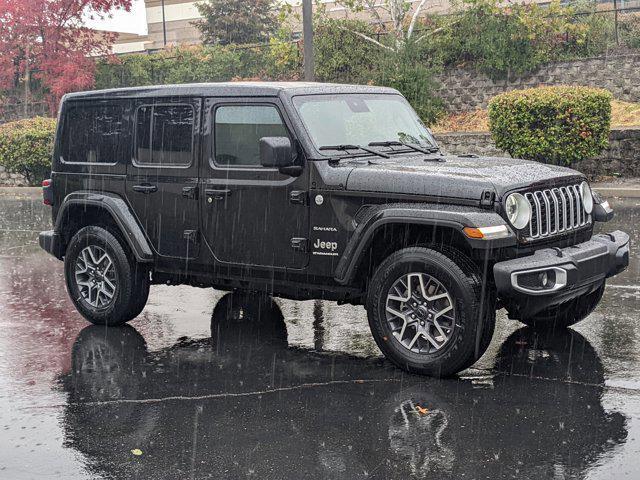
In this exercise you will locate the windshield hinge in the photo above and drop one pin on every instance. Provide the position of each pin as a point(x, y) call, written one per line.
point(487, 199)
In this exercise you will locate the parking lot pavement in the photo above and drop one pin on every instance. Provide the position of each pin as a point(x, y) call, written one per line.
point(210, 385)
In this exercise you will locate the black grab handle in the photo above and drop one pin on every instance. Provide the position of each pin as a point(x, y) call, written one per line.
point(145, 188)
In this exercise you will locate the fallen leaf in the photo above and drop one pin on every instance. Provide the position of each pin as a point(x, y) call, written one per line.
point(421, 410)
point(137, 452)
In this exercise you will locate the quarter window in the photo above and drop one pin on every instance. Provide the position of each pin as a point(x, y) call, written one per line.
point(238, 130)
point(94, 134)
point(164, 135)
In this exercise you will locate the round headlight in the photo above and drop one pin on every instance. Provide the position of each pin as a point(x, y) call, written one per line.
point(587, 197)
point(518, 210)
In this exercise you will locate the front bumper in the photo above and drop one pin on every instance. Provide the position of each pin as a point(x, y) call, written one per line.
point(569, 273)
point(50, 242)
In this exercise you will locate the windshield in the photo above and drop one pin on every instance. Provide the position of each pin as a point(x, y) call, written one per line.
point(361, 119)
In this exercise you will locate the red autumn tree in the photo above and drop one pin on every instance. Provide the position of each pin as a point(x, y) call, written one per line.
point(47, 40)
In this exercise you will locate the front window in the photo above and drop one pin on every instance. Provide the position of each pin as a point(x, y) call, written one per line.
point(361, 119)
point(238, 130)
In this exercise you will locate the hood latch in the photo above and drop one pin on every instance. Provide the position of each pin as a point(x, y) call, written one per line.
point(487, 199)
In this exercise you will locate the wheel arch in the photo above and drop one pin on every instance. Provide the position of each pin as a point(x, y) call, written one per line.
point(391, 228)
point(80, 209)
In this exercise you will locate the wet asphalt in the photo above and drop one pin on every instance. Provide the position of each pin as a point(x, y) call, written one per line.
point(205, 384)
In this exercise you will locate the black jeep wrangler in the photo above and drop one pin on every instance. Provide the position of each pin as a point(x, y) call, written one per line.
point(319, 191)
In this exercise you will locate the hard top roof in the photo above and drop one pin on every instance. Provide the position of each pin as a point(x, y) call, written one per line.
point(230, 89)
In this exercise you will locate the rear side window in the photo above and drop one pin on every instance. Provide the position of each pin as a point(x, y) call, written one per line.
point(238, 130)
point(164, 135)
point(94, 134)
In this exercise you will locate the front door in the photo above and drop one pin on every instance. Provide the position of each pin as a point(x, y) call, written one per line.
point(252, 215)
point(162, 179)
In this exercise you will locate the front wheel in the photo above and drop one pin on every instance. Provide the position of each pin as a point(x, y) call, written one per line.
point(106, 286)
point(428, 311)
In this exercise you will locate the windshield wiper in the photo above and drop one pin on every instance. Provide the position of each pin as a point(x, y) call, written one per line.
point(396, 143)
point(347, 147)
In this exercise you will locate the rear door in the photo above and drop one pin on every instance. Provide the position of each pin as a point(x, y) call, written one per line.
point(162, 179)
point(252, 215)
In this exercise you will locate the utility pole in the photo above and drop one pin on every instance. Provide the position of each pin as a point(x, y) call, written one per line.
point(27, 80)
point(307, 32)
point(164, 26)
point(615, 20)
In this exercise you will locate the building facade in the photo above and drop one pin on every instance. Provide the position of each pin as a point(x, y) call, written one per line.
point(170, 22)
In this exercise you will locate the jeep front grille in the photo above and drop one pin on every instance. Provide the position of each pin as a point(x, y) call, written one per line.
point(556, 210)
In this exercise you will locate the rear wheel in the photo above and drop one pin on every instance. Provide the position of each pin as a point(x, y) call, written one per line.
point(428, 312)
point(566, 314)
point(106, 286)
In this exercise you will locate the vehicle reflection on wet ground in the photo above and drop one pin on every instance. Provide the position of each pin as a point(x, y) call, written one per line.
point(213, 385)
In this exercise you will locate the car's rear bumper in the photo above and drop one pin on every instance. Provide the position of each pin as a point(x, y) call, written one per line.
point(50, 242)
point(570, 272)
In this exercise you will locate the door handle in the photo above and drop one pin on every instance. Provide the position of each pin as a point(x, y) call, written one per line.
point(216, 194)
point(190, 192)
point(146, 188)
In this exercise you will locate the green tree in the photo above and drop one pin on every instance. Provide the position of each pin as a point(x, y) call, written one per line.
point(342, 55)
point(237, 21)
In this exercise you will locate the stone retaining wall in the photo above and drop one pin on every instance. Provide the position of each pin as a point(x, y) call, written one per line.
point(11, 179)
point(622, 158)
point(465, 89)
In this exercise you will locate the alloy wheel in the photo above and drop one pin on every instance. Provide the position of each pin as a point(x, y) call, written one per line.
point(420, 313)
point(96, 276)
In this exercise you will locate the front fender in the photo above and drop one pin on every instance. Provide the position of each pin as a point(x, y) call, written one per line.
point(119, 211)
point(428, 215)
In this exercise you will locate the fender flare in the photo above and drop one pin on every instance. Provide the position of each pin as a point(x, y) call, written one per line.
point(118, 209)
point(428, 215)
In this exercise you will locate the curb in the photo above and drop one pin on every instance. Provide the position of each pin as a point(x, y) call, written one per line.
point(21, 192)
point(619, 192)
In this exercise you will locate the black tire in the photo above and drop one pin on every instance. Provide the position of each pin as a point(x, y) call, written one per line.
point(474, 310)
point(567, 314)
point(132, 281)
point(141, 292)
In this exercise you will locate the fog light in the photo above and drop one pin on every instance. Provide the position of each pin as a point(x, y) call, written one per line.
point(543, 278)
point(540, 281)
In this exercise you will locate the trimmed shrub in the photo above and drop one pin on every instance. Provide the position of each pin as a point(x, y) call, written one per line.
point(26, 147)
point(558, 125)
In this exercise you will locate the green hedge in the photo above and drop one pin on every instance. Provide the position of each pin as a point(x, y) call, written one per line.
point(279, 60)
point(26, 147)
point(558, 125)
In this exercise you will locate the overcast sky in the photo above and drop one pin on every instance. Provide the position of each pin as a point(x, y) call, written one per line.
point(134, 21)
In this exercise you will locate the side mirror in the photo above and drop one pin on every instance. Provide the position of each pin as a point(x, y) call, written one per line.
point(276, 152)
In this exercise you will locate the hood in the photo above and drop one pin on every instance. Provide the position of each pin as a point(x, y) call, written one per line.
point(456, 177)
